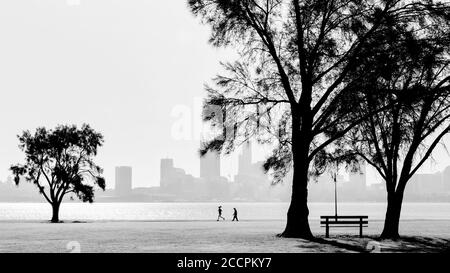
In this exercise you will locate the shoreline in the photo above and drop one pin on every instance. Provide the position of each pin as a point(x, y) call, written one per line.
point(78, 221)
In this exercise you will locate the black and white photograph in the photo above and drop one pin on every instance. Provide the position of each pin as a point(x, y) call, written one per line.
point(246, 128)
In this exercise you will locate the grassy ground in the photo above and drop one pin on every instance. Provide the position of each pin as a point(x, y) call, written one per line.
point(211, 236)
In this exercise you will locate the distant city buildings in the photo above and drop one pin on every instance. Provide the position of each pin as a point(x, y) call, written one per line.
point(123, 183)
point(211, 183)
point(25, 192)
point(249, 184)
point(433, 187)
point(210, 166)
point(423, 187)
point(245, 166)
point(353, 189)
point(179, 185)
point(252, 182)
point(175, 182)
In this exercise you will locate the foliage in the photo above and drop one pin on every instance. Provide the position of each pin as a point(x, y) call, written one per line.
point(60, 161)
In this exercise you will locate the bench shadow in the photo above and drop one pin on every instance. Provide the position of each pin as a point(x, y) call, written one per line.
point(342, 245)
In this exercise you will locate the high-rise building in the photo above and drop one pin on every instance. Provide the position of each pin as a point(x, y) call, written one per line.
point(176, 182)
point(245, 160)
point(210, 166)
point(166, 172)
point(250, 178)
point(428, 184)
point(123, 180)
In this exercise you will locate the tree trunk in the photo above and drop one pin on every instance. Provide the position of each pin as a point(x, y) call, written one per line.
point(297, 225)
point(392, 220)
point(55, 216)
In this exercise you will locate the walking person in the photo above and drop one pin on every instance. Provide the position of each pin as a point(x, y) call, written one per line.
point(235, 215)
point(220, 214)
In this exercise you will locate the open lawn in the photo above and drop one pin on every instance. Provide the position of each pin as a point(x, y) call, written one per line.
point(211, 236)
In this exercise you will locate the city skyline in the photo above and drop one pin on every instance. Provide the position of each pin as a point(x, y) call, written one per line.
point(249, 183)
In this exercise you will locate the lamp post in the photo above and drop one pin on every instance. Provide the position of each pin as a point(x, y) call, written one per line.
point(334, 176)
point(335, 196)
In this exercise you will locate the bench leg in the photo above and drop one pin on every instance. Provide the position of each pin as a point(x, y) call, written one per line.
point(327, 231)
point(360, 230)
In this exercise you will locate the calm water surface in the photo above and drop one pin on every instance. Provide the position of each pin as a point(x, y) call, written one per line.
point(208, 211)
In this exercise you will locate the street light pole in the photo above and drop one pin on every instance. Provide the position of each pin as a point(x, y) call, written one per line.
point(335, 195)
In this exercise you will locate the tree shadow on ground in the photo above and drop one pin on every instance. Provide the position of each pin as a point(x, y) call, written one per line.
point(68, 222)
point(341, 243)
point(372, 244)
point(423, 244)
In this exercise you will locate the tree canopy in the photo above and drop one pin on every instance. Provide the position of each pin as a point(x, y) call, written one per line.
point(299, 61)
point(409, 70)
point(60, 162)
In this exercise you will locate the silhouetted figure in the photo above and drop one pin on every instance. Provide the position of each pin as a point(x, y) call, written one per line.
point(220, 214)
point(235, 215)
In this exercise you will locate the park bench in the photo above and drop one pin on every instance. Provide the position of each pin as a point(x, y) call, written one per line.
point(344, 221)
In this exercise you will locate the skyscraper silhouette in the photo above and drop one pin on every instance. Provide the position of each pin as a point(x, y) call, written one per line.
point(123, 180)
point(245, 160)
point(166, 172)
point(210, 166)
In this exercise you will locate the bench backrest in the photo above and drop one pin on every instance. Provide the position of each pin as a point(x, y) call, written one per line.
point(345, 219)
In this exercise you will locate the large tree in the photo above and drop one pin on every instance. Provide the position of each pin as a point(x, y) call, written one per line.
point(410, 70)
point(60, 162)
point(294, 57)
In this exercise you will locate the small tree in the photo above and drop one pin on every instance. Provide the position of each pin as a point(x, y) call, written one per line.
point(60, 162)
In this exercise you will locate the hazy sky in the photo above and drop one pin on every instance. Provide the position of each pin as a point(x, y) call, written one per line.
point(128, 68)
point(124, 67)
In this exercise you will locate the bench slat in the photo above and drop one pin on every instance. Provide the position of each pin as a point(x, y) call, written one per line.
point(364, 225)
point(344, 217)
point(347, 226)
point(344, 222)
